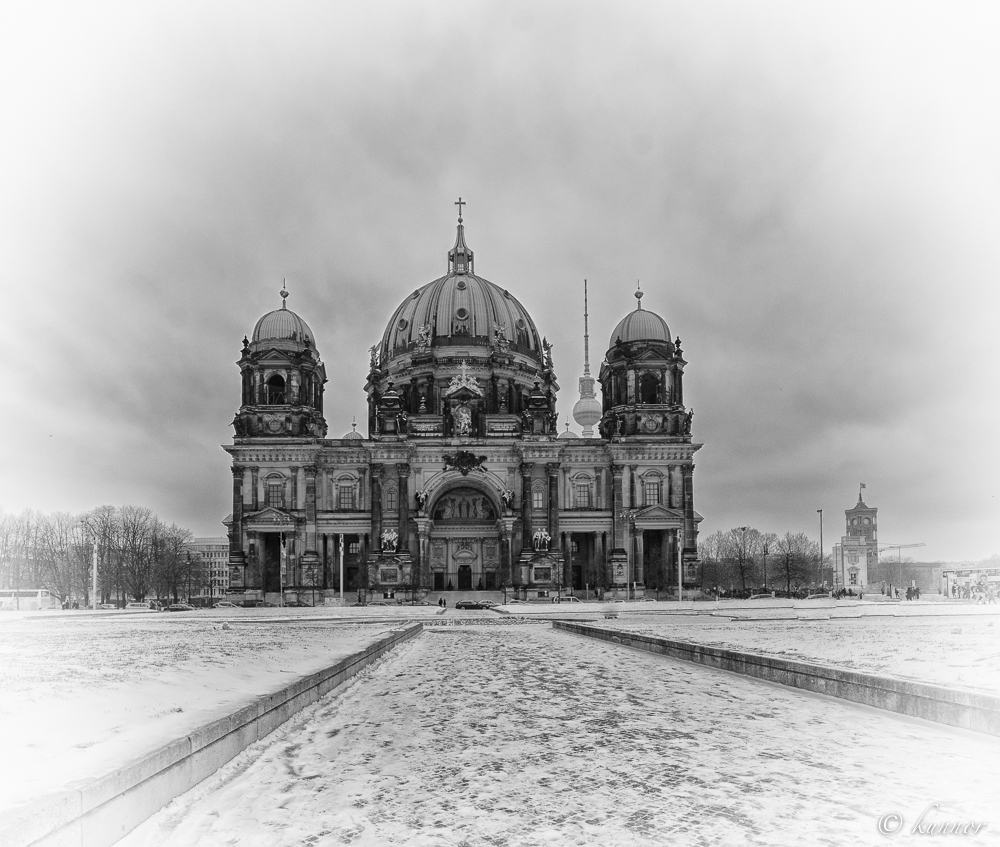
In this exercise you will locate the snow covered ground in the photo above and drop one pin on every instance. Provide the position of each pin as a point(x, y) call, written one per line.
point(514, 735)
point(81, 695)
point(954, 651)
point(945, 643)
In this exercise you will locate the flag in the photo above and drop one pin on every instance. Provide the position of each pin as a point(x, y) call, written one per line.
point(863, 485)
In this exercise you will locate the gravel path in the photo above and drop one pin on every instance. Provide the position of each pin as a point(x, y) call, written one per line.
point(507, 736)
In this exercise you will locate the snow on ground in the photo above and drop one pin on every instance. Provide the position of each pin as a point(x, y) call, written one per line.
point(945, 643)
point(509, 736)
point(953, 651)
point(81, 695)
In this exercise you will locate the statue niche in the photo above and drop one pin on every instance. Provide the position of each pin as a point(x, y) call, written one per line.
point(465, 505)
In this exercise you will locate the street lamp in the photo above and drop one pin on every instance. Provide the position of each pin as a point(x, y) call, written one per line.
point(821, 573)
point(765, 567)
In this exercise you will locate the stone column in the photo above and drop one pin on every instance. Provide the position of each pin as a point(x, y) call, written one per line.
point(600, 565)
point(363, 502)
point(568, 559)
point(552, 471)
point(640, 557)
point(617, 508)
point(633, 502)
point(311, 555)
point(255, 484)
point(403, 470)
point(526, 528)
point(689, 525)
point(236, 556)
point(669, 502)
point(376, 505)
point(422, 566)
point(294, 503)
point(505, 556)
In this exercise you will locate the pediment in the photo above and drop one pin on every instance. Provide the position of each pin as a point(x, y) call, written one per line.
point(271, 516)
point(273, 355)
point(658, 353)
point(658, 514)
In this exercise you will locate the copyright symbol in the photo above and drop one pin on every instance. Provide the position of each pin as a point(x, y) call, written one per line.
point(890, 823)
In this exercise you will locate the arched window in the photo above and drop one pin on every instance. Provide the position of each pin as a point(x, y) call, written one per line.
point(346, 493)
point(390, 499)
point(649, 388)
point(275, 390)
point(583, 491)
point(274, 491)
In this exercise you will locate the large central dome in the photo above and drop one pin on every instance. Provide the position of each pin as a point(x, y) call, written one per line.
point(460, 309)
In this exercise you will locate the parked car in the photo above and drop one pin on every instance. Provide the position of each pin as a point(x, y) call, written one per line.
point(569, 598)
point(180, 607)
point(108, 606)
point(226, 604)
point(469, 604)
point(298, 604)
point(137, 604)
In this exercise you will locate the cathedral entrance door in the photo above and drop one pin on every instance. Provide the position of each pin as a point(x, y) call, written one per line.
point(464, 578)
point(271, 562)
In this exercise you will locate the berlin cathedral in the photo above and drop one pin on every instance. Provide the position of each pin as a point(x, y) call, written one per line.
point(463, 481)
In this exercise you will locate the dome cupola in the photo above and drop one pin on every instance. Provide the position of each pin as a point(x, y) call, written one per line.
point(640, 325)
point(282, 377)
point(458, 333)
point(642, 380)
point(283, 328)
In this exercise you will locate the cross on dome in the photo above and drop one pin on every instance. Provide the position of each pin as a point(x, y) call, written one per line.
point(460, 202)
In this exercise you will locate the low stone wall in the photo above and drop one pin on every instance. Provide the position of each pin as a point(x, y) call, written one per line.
point(953, 706)
point(105, 809)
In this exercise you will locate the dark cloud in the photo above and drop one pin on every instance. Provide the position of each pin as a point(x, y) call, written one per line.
point(809, 195)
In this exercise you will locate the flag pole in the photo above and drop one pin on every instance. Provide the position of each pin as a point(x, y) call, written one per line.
point(341, 569)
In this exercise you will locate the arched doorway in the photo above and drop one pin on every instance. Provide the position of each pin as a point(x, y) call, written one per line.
point(465, 548)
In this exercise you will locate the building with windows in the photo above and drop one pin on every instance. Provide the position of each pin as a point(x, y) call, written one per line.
point(214, 556)
point(462, 480)
point(855, 558)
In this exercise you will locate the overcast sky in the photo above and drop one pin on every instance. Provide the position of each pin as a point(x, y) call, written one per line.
point(810, 194)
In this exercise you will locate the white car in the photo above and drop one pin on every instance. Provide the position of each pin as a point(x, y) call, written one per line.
point(137, 605)
point(569, 598)
point(225, 604)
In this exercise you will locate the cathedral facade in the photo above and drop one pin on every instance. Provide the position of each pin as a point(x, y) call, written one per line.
point(462, 480)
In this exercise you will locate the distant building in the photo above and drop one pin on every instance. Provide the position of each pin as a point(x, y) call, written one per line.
point(855, 558)
point(214, 552)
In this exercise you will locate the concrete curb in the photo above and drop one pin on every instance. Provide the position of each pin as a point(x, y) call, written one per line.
point(105, 809)
point(959, 707)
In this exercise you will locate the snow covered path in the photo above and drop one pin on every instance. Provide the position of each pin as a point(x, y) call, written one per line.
point(507, 736)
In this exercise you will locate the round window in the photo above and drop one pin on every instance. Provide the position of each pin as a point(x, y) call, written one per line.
point(461, 285)
point(462, 313)
point(520, 324)
point(403, 323)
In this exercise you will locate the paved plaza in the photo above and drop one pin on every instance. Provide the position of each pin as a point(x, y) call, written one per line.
point(519, 735)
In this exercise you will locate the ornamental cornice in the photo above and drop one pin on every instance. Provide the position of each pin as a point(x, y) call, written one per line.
point(246, 455)
point(639, 454)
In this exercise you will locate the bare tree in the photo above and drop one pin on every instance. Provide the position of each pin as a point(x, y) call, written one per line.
point(792, 558)
point(743, 549)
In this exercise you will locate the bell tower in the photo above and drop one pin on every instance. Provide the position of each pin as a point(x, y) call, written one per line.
point(282, 379)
